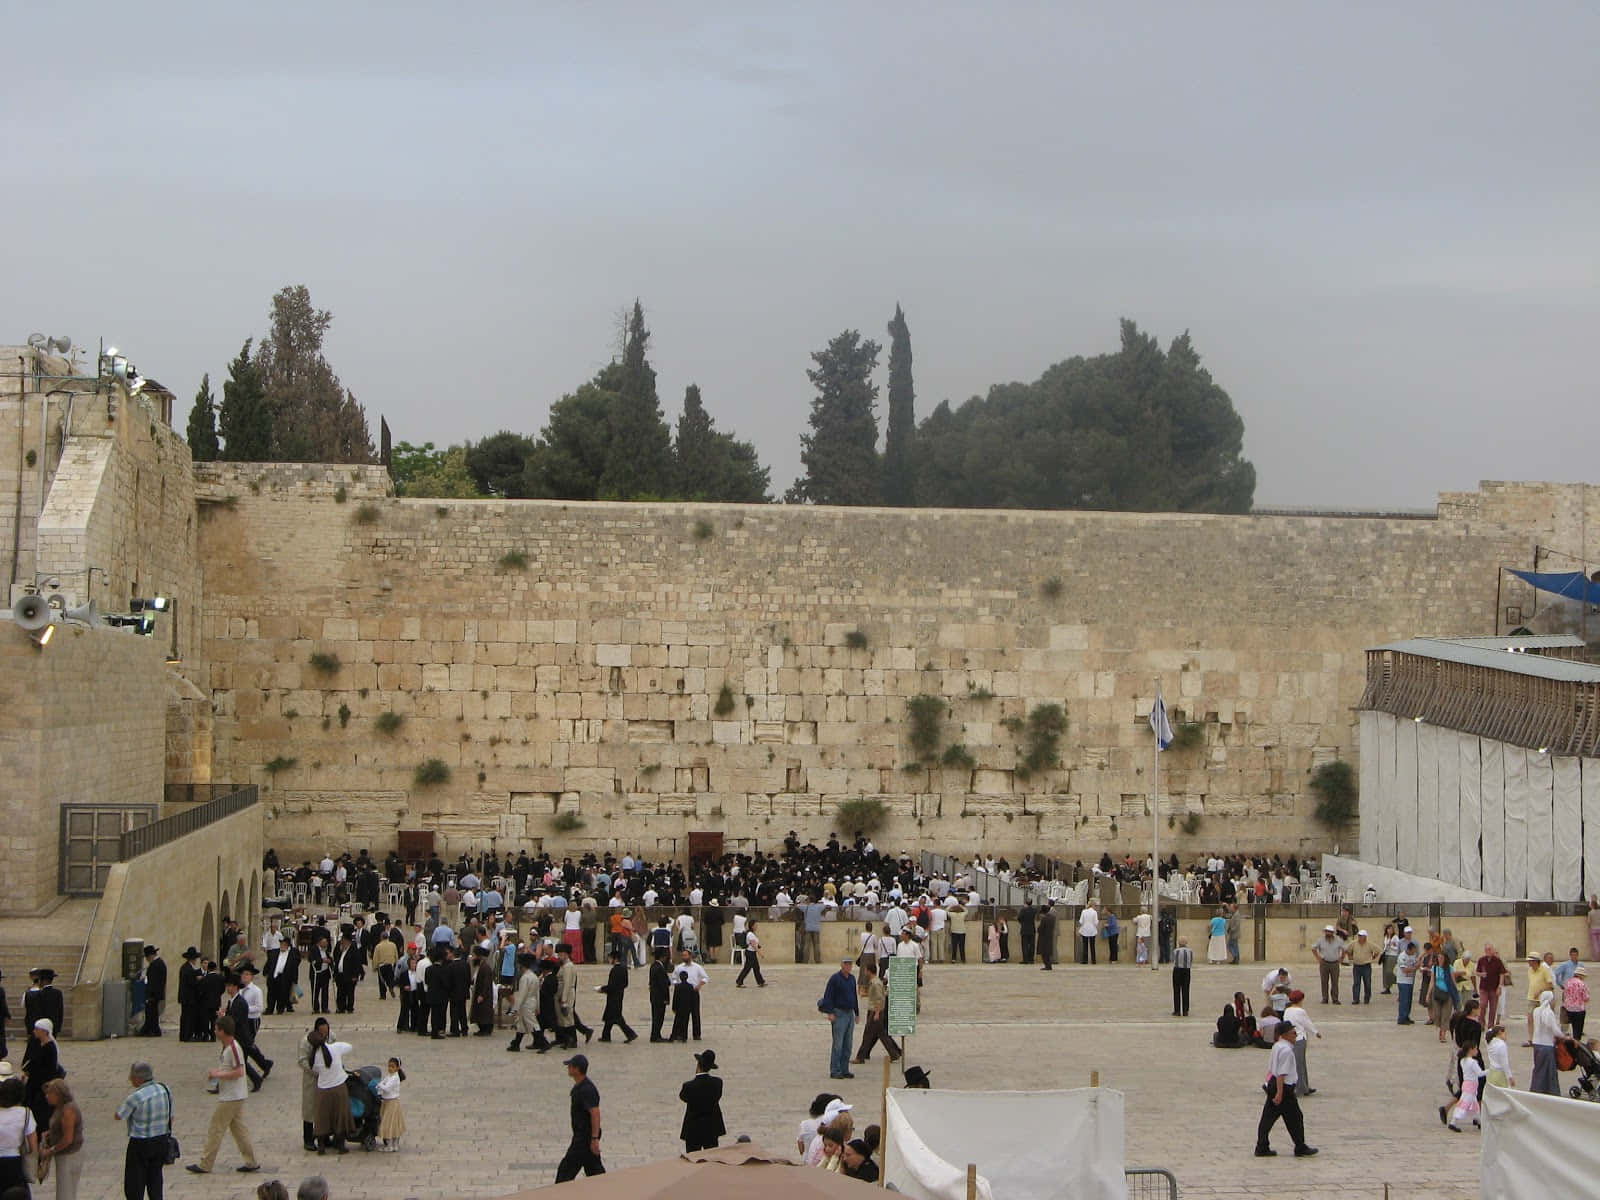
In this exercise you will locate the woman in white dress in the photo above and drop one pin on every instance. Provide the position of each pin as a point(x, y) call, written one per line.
point(1217, 947)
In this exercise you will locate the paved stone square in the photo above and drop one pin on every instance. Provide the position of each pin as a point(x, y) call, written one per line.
point(485, 1123)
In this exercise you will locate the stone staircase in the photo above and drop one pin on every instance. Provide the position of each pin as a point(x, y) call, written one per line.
point(54, 939)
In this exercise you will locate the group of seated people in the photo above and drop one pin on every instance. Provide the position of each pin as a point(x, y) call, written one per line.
point(1238, 1026)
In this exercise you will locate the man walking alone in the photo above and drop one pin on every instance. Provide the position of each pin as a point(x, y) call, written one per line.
point(228, 1116)
point(840, 1004)
point(1281, 1079)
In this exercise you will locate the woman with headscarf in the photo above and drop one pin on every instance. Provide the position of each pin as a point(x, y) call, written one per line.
point(332, 1120)
point(41, 1062)
point(1546, 1029)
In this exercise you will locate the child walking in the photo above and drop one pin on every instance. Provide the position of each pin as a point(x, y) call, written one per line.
point(392, 1120)
point(1472, 1074)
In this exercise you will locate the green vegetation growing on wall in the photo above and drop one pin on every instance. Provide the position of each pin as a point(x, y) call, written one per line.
point(389, 723)
point(862, 816)
point(435, 770)
point(926, 713)
point(724, 704)
point(324, 663)
point(1334, 784)
point(1042, 739)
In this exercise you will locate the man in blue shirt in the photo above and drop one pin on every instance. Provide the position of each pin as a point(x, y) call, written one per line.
point(841, 1006)
point(148, 1112)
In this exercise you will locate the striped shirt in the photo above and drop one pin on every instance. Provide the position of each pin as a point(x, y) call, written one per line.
point(1183, 958)
point(147, 1110)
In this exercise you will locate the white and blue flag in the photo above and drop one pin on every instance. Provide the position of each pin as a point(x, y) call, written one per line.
point(1158, 723)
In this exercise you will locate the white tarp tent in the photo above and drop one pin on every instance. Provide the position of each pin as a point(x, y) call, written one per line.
point(1025, 1144)
point(1536, 1145)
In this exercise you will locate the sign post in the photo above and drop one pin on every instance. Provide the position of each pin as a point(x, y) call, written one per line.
point(902, 1008)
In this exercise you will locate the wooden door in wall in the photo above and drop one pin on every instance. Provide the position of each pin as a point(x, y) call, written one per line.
point(704, 847)
point(416, 845)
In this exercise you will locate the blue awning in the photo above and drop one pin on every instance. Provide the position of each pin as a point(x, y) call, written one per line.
point(1574, 585)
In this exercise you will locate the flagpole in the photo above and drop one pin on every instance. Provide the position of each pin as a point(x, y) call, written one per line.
point(1155, 837)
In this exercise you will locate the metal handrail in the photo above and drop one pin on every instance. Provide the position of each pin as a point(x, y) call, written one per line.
point(169, 829)
point(77, 975)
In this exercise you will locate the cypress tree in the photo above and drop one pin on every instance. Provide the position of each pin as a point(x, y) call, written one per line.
point(899, 468)
point(203, 424)
point(840, 453)
point(638, 461)
point(244, 420)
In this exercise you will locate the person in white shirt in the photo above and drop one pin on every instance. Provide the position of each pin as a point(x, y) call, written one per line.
point(1282, 1074)
point(1307, 1029)
point(1500, 1073)
point(938, 943)
point(331, 1113)
point(1088, 931)
point(1141, 938)
point(698, 980)
point(895, 919)
point(271, 936)
point(326, 865)
point(650, 897)
point(697, 896)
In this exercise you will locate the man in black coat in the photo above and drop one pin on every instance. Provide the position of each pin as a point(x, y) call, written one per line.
point(436, 982)
point(1026, 917)
point(211, 987)
point(155, 991)
point(1047, 938)
point(702, 1106)
point(460, 993)
point(43, 999)
point(236, 1006)
point(660, 994)
point(616, 986)
point(349, 965)
point(189, 977)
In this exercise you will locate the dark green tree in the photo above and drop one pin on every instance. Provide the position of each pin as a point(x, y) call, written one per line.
point(1135, 430)
point(499, 464)
point(840, 453)
point(573, 448)
point(203, 445)
point(899, 474)
point(711, 465)
point(244, 420)
point(638, 461)
point(315, 418)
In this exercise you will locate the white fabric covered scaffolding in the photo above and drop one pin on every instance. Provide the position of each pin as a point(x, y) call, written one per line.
point(1066, 1143)
point(1492, 782)
point(1369, 784)
point(1591, 827)
point(1536, 1145)
point(1449, 807)
point(1470, 795)
point(1405, 794)
point(1541, 825)
point(1386, 822)
point(1566, 871)
point(1427, 859)
point(1516, 768)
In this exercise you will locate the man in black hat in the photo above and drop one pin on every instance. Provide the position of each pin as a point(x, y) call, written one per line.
point(702, 1106)
point(615, 987)
point(584, 1152)
point(660, 994)
point(189, 977)
point(155, 991)
point(43, 999)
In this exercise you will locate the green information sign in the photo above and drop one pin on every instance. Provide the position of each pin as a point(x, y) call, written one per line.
point(902, 996)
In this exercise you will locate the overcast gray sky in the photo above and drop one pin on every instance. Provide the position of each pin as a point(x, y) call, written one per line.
point(1379, 222)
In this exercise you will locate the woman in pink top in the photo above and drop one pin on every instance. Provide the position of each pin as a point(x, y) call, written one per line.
point(1575, 999)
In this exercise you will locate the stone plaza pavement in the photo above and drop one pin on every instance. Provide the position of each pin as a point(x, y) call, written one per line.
point(486, 1123)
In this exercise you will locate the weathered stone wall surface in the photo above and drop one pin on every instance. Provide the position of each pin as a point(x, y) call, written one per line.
point(83, 723)
point(569, 658)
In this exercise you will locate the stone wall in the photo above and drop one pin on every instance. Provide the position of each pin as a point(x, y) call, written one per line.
point(570, 658)
point(83, 722)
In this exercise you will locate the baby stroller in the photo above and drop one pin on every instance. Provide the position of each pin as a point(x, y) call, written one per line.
point(1573, 1055)
point(365, 1106)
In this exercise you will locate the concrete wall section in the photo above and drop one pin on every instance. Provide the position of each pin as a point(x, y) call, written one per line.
point(173, 897)
point(571, 657)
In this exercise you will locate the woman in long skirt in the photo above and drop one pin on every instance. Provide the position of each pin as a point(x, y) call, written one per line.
point(332, 1120)
point(1217, 947)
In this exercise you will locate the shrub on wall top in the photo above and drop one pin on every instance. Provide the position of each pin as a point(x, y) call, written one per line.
point(435, 770)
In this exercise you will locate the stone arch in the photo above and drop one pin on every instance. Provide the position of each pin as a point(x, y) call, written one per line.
point(255, 905)
point(241, 914)
point(227, 910)
point(208, 932)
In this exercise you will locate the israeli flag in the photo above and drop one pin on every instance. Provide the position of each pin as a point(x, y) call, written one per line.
point(1158, 723)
